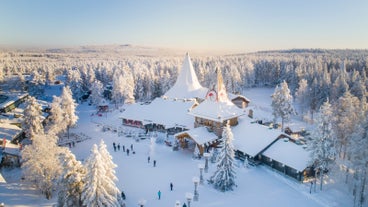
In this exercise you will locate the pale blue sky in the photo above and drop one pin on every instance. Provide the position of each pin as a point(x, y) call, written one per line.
point(232, 25)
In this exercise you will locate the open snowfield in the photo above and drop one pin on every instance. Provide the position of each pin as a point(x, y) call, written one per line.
point(257, 186)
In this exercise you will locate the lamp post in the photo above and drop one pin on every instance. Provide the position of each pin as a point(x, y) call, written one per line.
point(196, 194)
point(142, 202)
point(206, 155)
point(201, 167)
point(189, 198)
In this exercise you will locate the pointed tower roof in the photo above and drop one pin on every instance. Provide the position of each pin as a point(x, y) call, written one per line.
point(187, 84)
point(217, 106)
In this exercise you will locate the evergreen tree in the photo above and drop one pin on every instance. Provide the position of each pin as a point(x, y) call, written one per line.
point(32, 123)
point(40, 163)
point(359, 159)
point(68, 106)
point(70, 183)
point(322, 141)
point(96, 92)
point(348, 113)
point(224, 177)
point(302, 95)
point(118, 89)
point(99, 189)
point(56, 122)
point(282, 103)
point(128, 87)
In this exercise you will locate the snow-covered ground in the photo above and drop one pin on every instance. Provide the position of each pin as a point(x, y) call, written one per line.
point(256, 186)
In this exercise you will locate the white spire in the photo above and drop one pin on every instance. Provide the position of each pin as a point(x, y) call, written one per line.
point(187, 84)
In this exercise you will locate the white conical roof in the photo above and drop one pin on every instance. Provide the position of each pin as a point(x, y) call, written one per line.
point(187, 84)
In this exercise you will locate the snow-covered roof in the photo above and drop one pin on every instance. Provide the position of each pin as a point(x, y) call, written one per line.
point(12, 98)
point(9, 131)
point(169, 113)
point(187, 84)
point(216, 111)
point(200, 135)
point(289, 153)
point(251, 138)
point(233, 96)
point(10, 148)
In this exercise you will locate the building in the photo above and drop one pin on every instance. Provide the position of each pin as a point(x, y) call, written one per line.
point(197, 115)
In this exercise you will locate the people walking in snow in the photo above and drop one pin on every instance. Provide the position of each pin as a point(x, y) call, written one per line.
point(123, 148)
point(159, 194)
point(127, 152)
point(131, 147)
point(171, 186)
point(119, 147)
point(154, 163)
point(114, 145)
point(148, 159)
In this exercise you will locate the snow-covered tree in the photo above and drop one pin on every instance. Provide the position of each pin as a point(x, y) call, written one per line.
point(96, 92)
point(224, 177)
point(322, 141)
point(68, 106)
point(109, 164)
point(118, 89)
point(99, 188)
point(70, 183)
point(74, 81)
point(282, 103)
point(302, 95)
point(359, 159)
point(32, 123)
point(128, 91)
point(40, 163)
point(348, 113)
point(56, 122)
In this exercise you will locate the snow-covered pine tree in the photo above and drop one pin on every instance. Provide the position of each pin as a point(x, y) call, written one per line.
point(110, 169)
point(70, 183)
point(99, 189)
point(68, 106)
point(302, 95)
point(56, 123)
point(128, 91)
point(40, 163)
point(74, 80)
point(358, 154)
point(282, 103)
point(322, 141)
point(96, 92)
point(224, 177)
point(118, 89)
point(348, 113)
point(32, 124)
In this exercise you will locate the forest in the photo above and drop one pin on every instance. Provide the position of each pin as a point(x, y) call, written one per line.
point(323, 83)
